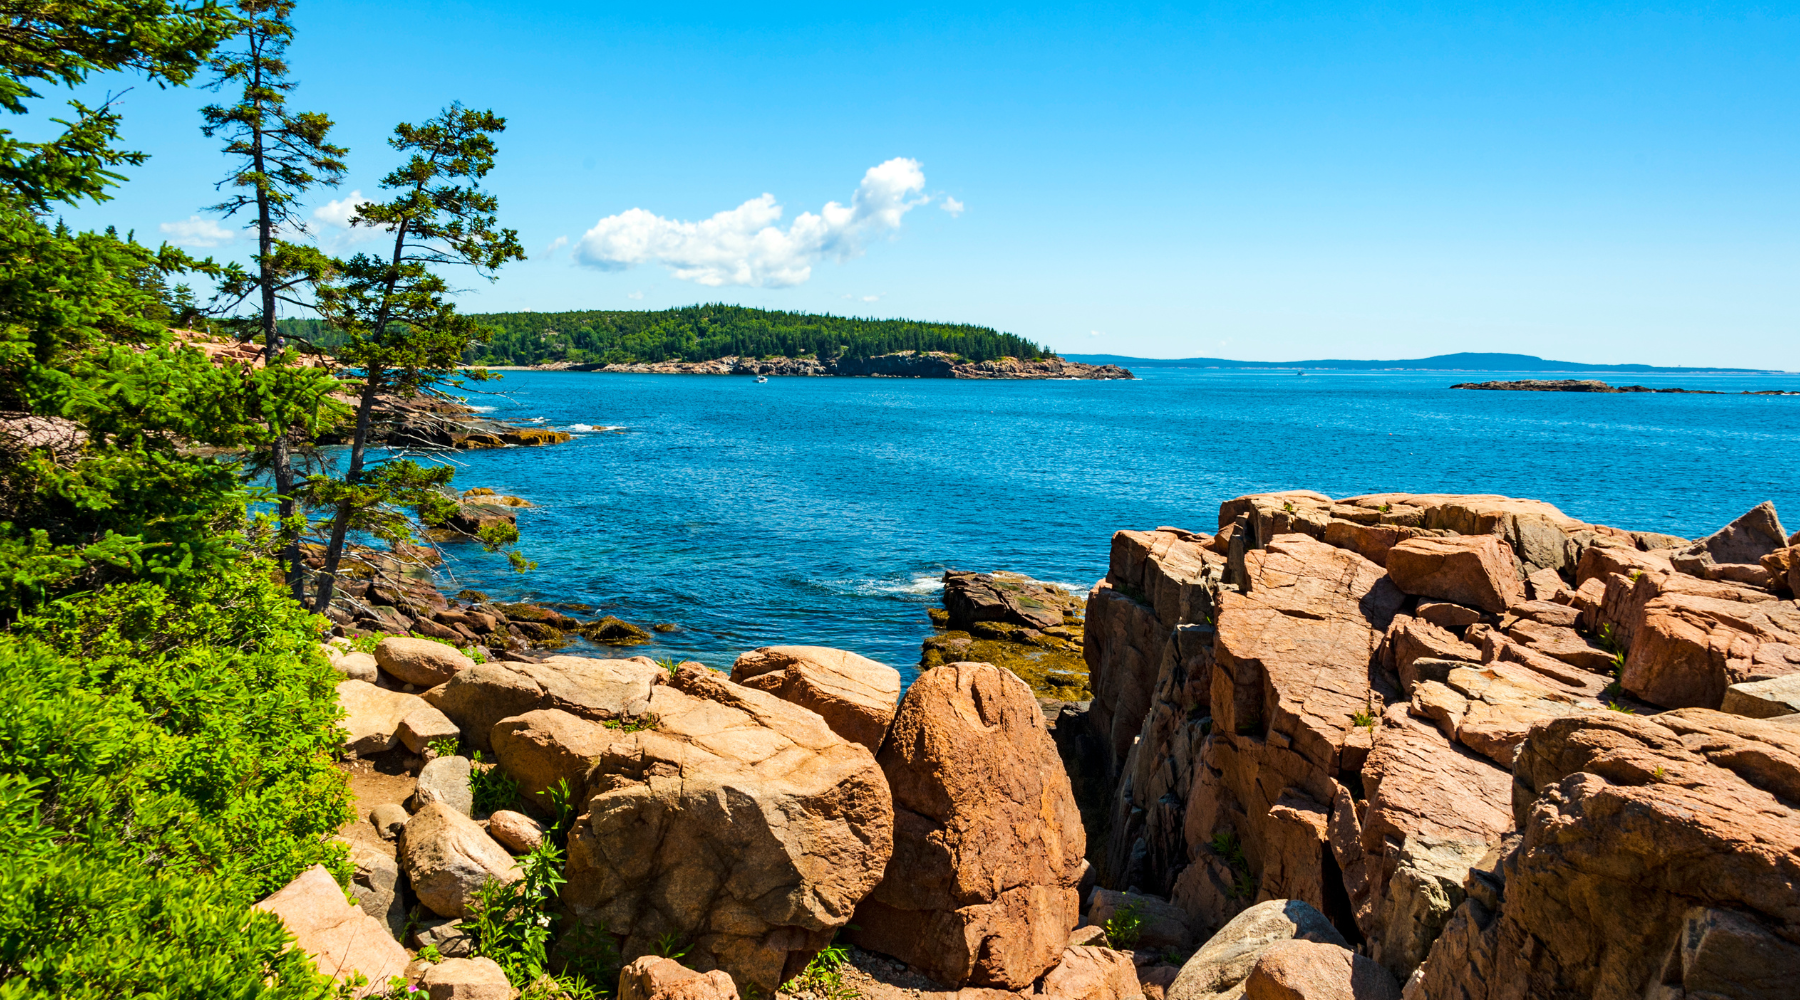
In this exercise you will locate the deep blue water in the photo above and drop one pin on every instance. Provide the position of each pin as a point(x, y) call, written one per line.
point(822, 510)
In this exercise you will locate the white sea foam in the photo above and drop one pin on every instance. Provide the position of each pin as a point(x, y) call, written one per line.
point(913, 585)
point(484, 409)
point(588, 428)
point(578, 428)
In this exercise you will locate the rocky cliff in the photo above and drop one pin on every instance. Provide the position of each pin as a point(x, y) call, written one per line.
point(1441, 721)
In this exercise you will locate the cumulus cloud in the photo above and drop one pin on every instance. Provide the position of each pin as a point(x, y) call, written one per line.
point(197, 231)
point(951, 205)
point(556, 244)
point(744, 246)
point(336, 215)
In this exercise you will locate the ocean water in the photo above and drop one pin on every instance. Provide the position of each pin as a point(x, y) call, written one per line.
point(823, 510)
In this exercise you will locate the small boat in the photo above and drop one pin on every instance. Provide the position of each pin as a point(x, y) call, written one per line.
point(762, 378)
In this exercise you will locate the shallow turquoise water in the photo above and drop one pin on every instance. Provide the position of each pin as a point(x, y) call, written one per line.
point(822, 510)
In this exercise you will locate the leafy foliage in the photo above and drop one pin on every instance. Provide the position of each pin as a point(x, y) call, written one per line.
point(1125, 926)
point(509, 921)
point(63, 42)
point(702, 332)
point(165, 760)
point(824, 975)
point(491, 786)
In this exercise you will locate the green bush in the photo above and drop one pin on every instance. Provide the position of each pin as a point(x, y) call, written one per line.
point(165, 761)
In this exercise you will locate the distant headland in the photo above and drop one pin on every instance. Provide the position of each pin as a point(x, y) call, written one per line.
point(1461, 362)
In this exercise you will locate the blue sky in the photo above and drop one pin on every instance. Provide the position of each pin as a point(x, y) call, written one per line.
point(1585, 182)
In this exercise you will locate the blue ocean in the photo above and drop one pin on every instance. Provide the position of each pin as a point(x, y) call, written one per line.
point(822, 511)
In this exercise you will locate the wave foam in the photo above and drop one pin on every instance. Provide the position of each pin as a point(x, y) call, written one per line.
point(484, 409)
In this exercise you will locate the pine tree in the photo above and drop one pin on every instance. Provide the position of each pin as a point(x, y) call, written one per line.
point(281, 154)
point(401, 329)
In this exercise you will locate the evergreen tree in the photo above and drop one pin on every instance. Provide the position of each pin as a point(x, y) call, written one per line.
point(281, 153)
point(66, 41)
point(400, 328)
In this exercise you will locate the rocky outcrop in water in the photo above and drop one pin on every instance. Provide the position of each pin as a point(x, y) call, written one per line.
point(904, 364)
point(430, 422)
point(1029, 627)
point(1440, 721)
point(1595, 385)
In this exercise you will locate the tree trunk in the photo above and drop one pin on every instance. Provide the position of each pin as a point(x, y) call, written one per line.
point(340, 522)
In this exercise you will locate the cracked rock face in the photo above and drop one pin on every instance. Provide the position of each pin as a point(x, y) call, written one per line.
point(739, 824)
point(988, 844)
point(1657, 860)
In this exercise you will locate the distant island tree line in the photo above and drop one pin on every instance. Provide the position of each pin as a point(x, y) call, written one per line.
point(705, 332)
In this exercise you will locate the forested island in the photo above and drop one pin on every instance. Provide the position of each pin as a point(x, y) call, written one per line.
point(706, 333)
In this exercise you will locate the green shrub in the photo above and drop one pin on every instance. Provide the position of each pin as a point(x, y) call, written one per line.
point(165, 761)
point(491, 786)
point(1125, 926)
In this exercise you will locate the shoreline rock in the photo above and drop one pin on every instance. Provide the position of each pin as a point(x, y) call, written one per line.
point(1595, 385)
point(1029, 627)
point(903, 364)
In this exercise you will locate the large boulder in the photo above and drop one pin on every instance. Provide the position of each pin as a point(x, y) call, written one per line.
point(1687, 650)
point(547, 746)
point(466, 979)
point(424, 726)
point(1477, 570)
point(1735, 551)
point(372, 716)
point(737, 822)
point(448, 856)
point(600, 690)
point(653, 977)
point(1086, 972)
point(988, 843)
point(1307, 970)
point(1158, 584)
point(1656, 859)
point(342, 940)
point(425, 662)
point(1218, 970)
point(855, 695)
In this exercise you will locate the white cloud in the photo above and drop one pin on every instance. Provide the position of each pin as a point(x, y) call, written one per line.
point(635, 295)
point(1093, 333)
point(871, 298)
point(337, 215)
point(743, 245)
point(556, 244)
point(197, 231)
point(951, 205)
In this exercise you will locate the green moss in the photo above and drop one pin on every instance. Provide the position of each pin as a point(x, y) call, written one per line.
point(1053, 669)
